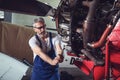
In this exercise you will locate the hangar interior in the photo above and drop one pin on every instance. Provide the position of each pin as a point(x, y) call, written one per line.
point(96, 20)
point(13, 28)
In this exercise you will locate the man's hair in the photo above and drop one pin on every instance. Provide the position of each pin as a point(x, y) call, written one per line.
point(39, 20)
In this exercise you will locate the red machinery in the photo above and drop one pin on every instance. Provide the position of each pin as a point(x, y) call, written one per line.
point(111, 69)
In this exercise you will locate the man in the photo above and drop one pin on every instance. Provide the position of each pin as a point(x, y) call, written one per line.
point(47, 52)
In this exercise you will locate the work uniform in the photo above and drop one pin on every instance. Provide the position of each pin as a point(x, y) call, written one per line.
point(41, 69)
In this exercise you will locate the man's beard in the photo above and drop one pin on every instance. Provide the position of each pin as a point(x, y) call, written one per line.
point(42, 34)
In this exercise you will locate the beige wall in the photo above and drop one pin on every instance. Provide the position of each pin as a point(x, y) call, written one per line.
point(14, 41)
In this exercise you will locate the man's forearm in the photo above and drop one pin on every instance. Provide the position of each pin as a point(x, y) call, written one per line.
point(59, 52)
point(45, 58)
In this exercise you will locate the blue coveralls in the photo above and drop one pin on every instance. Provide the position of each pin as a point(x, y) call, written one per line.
point(42, 70)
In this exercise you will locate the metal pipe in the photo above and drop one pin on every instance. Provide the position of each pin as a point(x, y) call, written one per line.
point(106, 32)
point(89, 24)
point(102, 39)
point(107, 60)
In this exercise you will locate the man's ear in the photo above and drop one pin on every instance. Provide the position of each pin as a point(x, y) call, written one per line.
point(34, 29)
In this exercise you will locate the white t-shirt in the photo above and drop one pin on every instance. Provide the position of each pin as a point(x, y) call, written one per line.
point(55, 40)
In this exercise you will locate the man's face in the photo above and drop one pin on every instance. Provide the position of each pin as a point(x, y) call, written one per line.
point(39, 27)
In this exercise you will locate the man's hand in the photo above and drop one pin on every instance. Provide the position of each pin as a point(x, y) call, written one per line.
point(61, 58)
point(55, 61)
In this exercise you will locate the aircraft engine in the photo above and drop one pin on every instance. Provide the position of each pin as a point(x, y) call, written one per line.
point(80, 22)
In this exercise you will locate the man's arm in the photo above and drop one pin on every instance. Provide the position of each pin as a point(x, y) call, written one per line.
point(37, 50)
point(59, 52)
